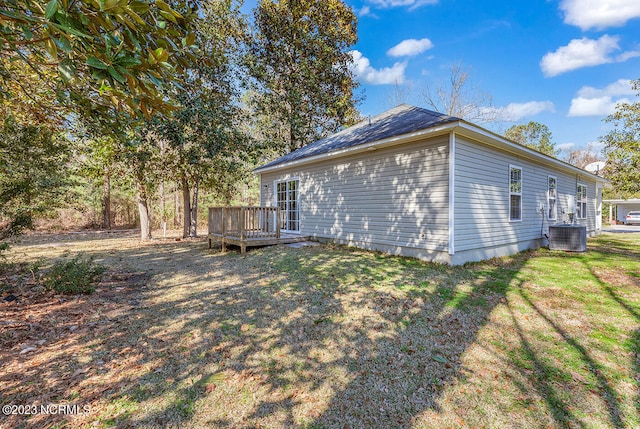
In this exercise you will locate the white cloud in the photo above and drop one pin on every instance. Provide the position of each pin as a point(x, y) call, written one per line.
point(411, 4)
point(590, 101)
point(410, 47)
point(619, 87)
point(598, 106)
point(565, 146)
point(364, 11)
point(627, 56)
point(515, 112)
point(579, 53)
point(596, 146)
point(599, 14)
point(384, 76)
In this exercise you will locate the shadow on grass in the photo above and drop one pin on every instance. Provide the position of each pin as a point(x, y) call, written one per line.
point(549, 378)
point(542, 382)
point(612, 401)
point(314, 337)
point(633, 277)
point(380, 367)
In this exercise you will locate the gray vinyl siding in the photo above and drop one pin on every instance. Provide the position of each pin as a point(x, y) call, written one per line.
point(392, 199)
point(481, 217)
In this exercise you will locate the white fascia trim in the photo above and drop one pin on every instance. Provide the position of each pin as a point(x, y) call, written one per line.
point(629, 201)
point(378, 144)
point(452, 194)
point(473, 131)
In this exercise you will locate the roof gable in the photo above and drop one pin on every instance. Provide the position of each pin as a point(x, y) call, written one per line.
point(400, 120)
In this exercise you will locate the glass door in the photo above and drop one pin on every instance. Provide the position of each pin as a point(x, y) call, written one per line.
point(287, 201)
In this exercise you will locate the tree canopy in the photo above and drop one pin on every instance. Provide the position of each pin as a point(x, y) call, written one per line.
point(33, 174)
point(98, 72)
point(299, 59)
point(95, 55)
point(622, 148)
point(534, 135)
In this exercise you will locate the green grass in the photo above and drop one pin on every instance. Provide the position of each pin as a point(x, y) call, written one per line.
point(329, 336)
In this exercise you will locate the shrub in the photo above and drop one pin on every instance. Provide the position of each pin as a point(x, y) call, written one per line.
point(74, 276)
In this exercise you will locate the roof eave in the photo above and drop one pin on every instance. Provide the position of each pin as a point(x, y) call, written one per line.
point(460, 126)
point(475, 132)
point(375, 145)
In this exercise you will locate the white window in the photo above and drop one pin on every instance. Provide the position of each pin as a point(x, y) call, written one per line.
point(287, 200)
point(552, 197)
point(515, 193)
point(581, 201)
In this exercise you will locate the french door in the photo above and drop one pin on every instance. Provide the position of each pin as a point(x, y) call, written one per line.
point(287, 193)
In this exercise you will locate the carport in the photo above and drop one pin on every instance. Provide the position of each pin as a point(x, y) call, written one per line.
point(618, 209)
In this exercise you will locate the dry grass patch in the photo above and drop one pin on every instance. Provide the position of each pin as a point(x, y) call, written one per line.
point(327, 337)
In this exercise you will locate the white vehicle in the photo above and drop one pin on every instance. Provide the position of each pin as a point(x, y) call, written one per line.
point(633, 218)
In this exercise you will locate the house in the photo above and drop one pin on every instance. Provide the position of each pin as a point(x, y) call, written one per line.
point(419, 183)
point(619, 208)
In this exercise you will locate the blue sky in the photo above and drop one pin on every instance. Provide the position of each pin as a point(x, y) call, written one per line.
point(564, 63)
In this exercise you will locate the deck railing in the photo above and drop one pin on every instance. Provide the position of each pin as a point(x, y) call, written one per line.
point(245, 222)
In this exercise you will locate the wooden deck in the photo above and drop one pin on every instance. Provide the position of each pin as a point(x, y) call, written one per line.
point(248, 227)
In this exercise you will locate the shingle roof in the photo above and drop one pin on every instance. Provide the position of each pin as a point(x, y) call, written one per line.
point(400, 120)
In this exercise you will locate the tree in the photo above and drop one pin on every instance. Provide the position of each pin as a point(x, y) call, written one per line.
point(130, 150)
point(140, 158)
point(583, 157)
point(33, 171)
point(299, 59)
point(622, 148)
point(99, 164)
point(97, 55)
point(201, 144)
point(459, 97)
point(534, 135)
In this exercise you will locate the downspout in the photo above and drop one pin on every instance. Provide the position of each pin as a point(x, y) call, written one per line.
point(452, 203)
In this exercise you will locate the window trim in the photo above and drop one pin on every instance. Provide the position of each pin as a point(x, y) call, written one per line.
point(275, 200)
point(555, 199)
point(583, 209)
point(512, 167)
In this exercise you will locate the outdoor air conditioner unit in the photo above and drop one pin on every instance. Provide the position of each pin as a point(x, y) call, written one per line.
point(572, 238)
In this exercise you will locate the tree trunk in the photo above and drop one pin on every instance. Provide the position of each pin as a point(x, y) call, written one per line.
point(186, 200)
point(194, 211)
point(145, 217)
point(143, 208)
point(176, 209)
point(163, 204)
point(106, 202)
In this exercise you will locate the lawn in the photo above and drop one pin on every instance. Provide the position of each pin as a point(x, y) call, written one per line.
point(177, 335)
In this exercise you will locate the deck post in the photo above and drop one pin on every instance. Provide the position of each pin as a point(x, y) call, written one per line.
point(278, 222)
point(223, 221)
point(242, 226)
